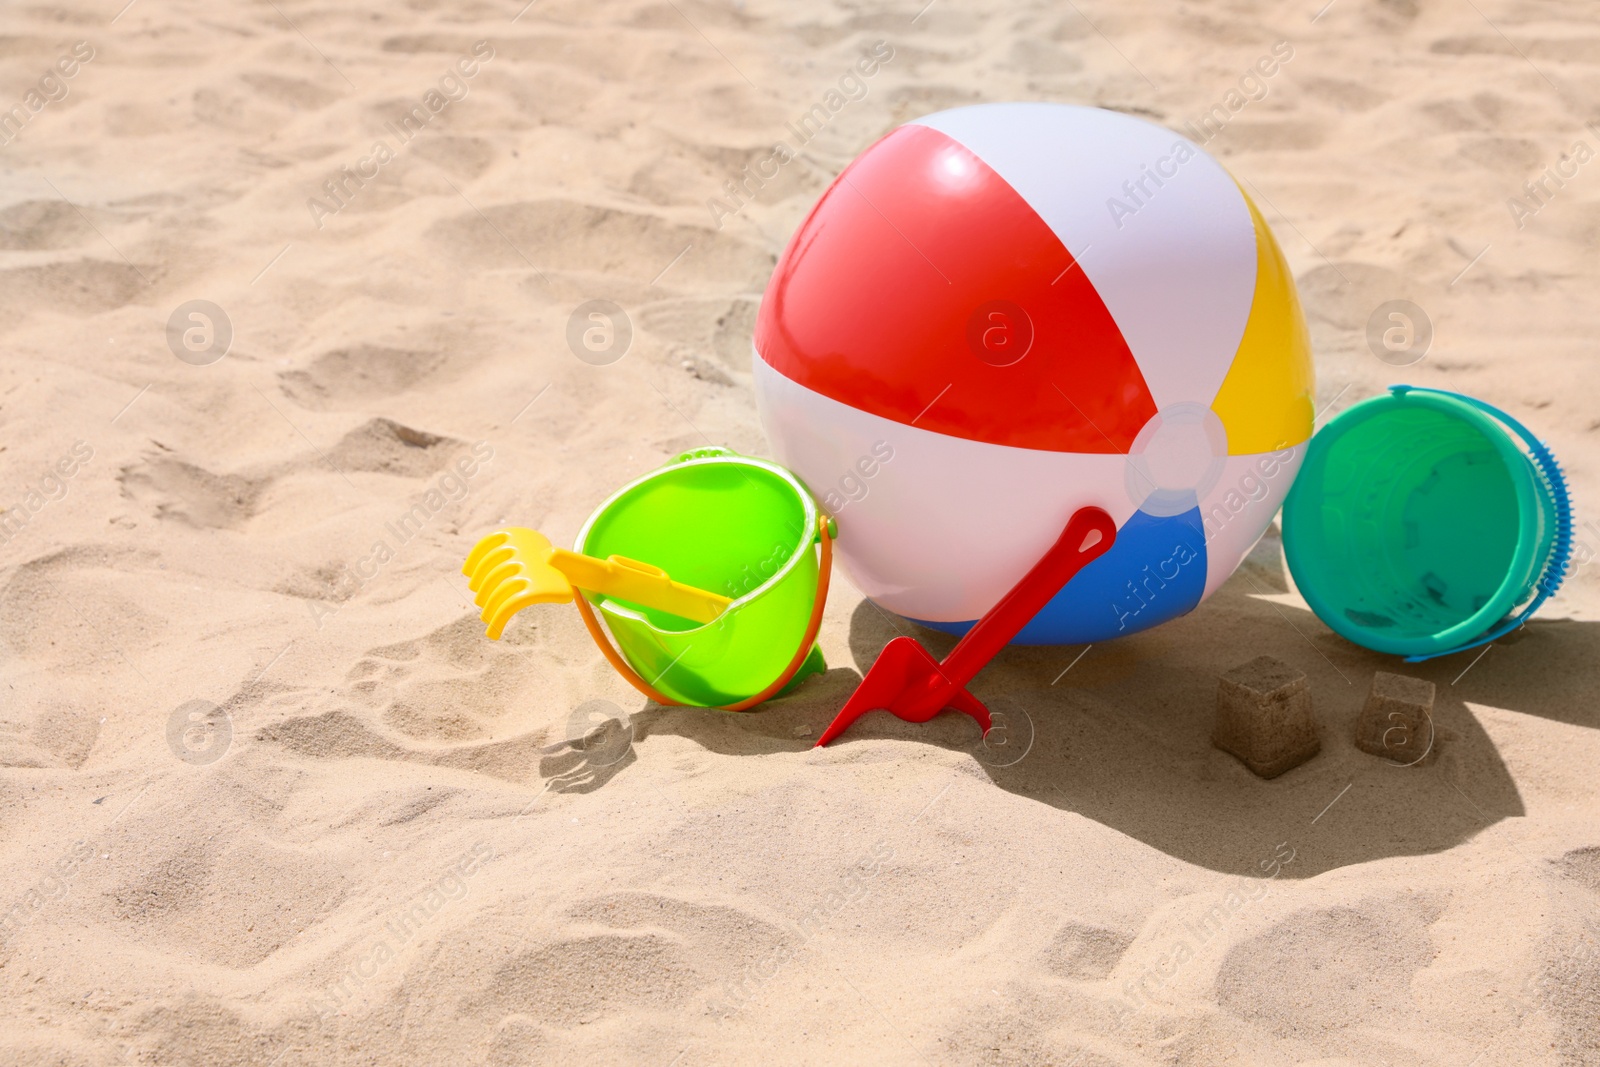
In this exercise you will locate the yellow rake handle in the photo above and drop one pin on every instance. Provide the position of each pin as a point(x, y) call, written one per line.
point(628, 579)
point(824, 572)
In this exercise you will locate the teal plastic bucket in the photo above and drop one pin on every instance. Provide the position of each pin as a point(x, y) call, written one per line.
point(1425, 522)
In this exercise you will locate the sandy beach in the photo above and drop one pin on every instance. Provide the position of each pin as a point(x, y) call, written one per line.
point(288, 290)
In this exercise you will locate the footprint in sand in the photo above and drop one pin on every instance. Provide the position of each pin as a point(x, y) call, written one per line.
point(52, 735)
point(1582, 865)
point(229, 902)
point(345, 733)
point(636, 951)
point(1344, 295)
point(450, 685)
point(39, 225)
point(174, 489)
point(1085, 952)
point(1345, 95)
point(43, 605)
point(1565, 983)
point(297, 94)
point(565, 235)
point(383, 446)
point(1353, 964)
point(442, 699)
point(358, 375)
point(465, 157)
point(725, 325)
point(1259, 136)
point(1511, 156)
point(81, 287)
point(258, 103)
point(1043, 59)
point(177, 491)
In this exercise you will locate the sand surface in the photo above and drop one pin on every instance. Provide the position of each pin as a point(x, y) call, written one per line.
point(381, 848)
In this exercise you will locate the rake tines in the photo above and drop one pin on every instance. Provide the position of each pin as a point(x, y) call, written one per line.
point(510, 570)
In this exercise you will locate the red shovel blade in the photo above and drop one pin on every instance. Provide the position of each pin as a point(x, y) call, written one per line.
point(908, 682)
point(905, 680)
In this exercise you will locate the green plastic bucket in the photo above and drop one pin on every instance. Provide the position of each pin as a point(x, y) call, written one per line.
point(1424, 522)
point(730, 524)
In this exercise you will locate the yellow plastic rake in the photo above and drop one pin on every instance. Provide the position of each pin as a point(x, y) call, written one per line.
point(515, 568)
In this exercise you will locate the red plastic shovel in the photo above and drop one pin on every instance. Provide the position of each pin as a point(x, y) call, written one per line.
point(907, 681)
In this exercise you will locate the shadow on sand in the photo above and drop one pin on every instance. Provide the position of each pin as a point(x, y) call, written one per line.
point(1123, 736)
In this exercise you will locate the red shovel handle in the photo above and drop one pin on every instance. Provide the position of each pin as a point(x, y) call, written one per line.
point(1086, 537)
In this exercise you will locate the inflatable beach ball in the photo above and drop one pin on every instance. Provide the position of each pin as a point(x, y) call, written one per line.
point(999, 314)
